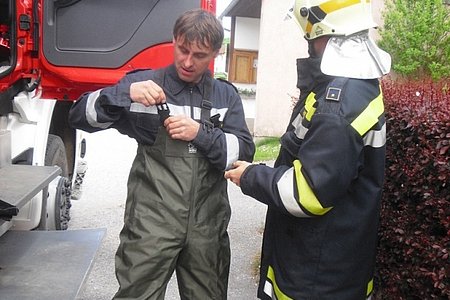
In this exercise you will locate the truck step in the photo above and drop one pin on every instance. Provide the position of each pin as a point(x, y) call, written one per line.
point(46, 265)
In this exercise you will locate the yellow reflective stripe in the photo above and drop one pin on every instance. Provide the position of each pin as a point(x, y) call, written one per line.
point(369, 116)
point(306, 195)
point(309, 27)
point(333, 5)
point(369, 288)
point(286, 193)
point(309, 106)
point(280, 295)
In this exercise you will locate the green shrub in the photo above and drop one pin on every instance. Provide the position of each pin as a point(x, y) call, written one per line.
point(417, 35)
point(221, 75)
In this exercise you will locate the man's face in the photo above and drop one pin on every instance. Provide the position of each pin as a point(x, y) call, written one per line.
point(191, 59)
point(318, 46)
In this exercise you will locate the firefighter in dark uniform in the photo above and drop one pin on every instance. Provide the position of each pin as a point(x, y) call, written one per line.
point(190, 128)
point(323, 194)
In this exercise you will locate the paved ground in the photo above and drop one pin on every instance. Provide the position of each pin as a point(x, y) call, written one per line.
point(110, 155)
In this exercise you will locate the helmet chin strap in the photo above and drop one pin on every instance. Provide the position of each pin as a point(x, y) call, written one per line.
point(311, 50)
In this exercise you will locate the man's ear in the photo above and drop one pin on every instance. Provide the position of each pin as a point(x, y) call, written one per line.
point(216, 53)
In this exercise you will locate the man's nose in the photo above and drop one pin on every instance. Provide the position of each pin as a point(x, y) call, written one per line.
point(189, 61)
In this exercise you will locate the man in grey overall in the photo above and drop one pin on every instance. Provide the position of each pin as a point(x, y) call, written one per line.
point(190, 128)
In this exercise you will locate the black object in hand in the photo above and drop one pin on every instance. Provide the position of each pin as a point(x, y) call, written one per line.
point(163, 111)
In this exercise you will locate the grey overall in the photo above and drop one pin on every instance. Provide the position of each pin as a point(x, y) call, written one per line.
point(176, 218)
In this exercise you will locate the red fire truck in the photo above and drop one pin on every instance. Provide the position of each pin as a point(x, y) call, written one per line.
point(52, 51)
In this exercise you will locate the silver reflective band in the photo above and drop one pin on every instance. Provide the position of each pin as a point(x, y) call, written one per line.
point(355, 56)
point(300, 130)
point(176, 110)
point(141, 108)
point(268, 290)
point(232, 149)
point(91, 113)
point(286, 191)
point(376, 138)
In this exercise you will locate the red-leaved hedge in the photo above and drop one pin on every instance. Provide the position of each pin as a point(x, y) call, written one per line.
point(413, 253)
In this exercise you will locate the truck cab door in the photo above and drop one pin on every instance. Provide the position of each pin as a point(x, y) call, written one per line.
point(87, 44)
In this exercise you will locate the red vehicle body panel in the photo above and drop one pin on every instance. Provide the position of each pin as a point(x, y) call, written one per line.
point(67, 83)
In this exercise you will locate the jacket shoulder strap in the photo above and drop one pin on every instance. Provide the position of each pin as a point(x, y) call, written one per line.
point(333, 94)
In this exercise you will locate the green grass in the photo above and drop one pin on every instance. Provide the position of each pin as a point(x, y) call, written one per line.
point(267, 149)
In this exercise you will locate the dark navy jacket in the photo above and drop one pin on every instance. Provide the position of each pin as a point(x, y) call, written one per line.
point(111, 107)
point(324, 193)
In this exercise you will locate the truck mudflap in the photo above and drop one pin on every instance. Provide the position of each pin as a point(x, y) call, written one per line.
point(46, 265)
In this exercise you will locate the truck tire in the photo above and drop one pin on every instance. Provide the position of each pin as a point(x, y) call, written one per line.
point(55, 155)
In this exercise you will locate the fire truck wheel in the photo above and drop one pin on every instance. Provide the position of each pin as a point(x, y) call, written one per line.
point(55, 154)
point(58, 202)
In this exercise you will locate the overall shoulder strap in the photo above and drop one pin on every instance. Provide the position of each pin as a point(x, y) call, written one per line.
point(206, 101)
point(206, 119)
point(163, 109)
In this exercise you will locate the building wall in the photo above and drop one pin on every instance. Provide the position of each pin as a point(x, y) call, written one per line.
point(280, 44)
point(247, 33)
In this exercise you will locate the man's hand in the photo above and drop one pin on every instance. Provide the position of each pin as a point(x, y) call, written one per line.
point(147, 92)
point(235, 174)
point(181, 127)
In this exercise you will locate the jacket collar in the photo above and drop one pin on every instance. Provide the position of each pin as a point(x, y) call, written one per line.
point(176, 85)
point(309, 75)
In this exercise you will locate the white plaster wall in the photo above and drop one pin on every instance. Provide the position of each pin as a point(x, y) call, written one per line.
point(247, 34)
point(377, 10)
point(280, 44)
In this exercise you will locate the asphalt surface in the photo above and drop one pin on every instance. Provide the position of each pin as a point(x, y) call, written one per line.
point(109, 155)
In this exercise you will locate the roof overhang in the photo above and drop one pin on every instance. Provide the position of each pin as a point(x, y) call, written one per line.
point(243, 8)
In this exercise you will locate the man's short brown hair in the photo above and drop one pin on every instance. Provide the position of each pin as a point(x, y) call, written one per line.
point(201, 27)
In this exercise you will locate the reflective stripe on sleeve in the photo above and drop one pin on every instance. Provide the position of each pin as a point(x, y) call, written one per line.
point(309, 106)
point(376, 138)
point(232, 149)
point(91, 113)
point(369, 117)
point(306, 195)
point(307, 200)
point(286, 192)
point(300, 130)
point(271, 288)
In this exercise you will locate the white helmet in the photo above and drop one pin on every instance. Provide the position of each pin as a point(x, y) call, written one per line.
point(333, 17)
